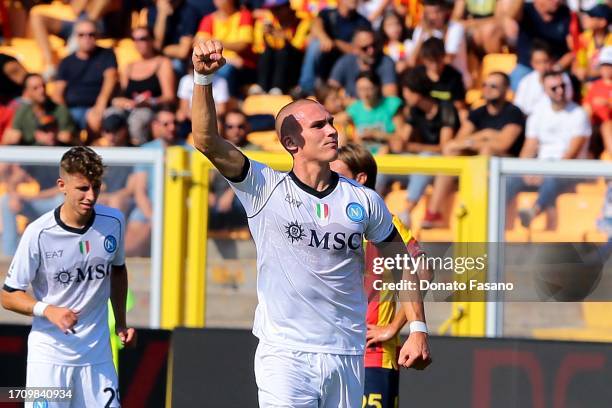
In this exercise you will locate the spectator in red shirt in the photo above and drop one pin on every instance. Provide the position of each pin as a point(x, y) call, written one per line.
point(598, 101)
point(232, 26)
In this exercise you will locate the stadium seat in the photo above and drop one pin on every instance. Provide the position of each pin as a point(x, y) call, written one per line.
point(26, 52)
point(57, 9)
point(126, 52)
point(597, 186)
point(498, 62)
point(577, 215)
point(473, 98)
point(262, 138)
point(264, 104)
point(28, 189)
point(396, 201)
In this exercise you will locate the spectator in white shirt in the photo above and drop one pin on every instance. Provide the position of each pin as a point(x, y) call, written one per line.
point(436, 23)
point(530, 91)
point(557, 130)
point(185, 92)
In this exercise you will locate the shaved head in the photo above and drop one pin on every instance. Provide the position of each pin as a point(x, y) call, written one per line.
point(289, 119)
point(294, 111)
point(306, 130)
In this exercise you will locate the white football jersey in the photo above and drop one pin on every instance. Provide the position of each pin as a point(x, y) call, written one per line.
point(70, 267)
point(310, 258)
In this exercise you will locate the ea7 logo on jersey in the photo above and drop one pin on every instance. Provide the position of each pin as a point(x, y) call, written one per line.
point(54, 254)
point(293, 201)
point(110, 244)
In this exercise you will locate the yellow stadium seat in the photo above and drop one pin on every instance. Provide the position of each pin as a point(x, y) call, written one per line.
point(126, 52)
point(597, 186)
point(264, 104)
point(26, 52)
point(28, 189)
point(262, 138)
point(498, 62)
point(473, 98)
point(396, 201)
point(577, 215)
point(58, 10)
point(597, 314)
point(274, 146)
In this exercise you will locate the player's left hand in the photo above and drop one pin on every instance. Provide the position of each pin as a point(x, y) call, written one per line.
point(378, 334)
point(127, 335)
point(415, 352)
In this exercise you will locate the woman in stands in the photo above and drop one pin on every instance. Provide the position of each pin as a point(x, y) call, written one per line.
point(376, 117)
point(145, 84)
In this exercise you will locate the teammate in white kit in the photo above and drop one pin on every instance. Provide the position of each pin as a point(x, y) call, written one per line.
point(308, 226)
point(74, 259)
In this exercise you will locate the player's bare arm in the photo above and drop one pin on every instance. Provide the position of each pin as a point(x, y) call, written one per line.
point(379, 334)
point(119, 288)
point(21, 302)
point(415, 351)
point(207, 59)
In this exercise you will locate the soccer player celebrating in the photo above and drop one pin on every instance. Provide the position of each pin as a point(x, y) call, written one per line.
point(74, 259)
point(384, 324)
point(308, 226)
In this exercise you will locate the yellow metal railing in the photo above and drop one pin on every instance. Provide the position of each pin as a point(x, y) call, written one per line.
point(190, 309)
point(175, 231)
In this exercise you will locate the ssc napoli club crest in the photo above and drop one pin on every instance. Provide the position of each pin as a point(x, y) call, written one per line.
point(355, 212)
point(110, 244)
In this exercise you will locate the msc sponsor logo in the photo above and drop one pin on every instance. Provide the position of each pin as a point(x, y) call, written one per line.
point(294, 231)
point(110, 244)
point(87, 273)
point(355, 212)
point(328, 240)
point(338, 240)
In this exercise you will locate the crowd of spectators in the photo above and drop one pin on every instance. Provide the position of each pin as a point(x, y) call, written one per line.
point(394, 73)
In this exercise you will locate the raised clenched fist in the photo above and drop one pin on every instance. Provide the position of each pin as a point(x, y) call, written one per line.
point(207, 56)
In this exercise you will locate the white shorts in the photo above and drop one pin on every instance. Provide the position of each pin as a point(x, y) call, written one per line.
point(296, 379)
point(91, 386)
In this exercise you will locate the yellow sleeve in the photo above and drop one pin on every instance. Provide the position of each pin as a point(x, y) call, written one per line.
point(404, 232)
point(301, 34)
point(258, 37)
point(244, 34)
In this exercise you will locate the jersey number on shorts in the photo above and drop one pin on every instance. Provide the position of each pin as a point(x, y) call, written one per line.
point(372, 400)
point(114, 395)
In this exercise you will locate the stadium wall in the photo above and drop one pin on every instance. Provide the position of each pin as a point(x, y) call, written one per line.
point(142, 369)
point(214, 368)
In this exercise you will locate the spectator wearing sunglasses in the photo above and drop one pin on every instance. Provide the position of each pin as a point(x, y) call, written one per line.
point(145, 84)
point(556, 130)
point(495, 128)
point(236, 128)
point(86, 78)
point(367, 56)
point(530, 89)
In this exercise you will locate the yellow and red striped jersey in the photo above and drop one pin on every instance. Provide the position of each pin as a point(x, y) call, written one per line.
point(382, 306)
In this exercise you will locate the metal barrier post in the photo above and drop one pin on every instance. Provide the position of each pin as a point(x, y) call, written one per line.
point(195, 299)
point(175, 230)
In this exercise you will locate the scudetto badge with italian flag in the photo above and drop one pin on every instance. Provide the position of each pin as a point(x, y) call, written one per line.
point(322, 211)
point(84, 247)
